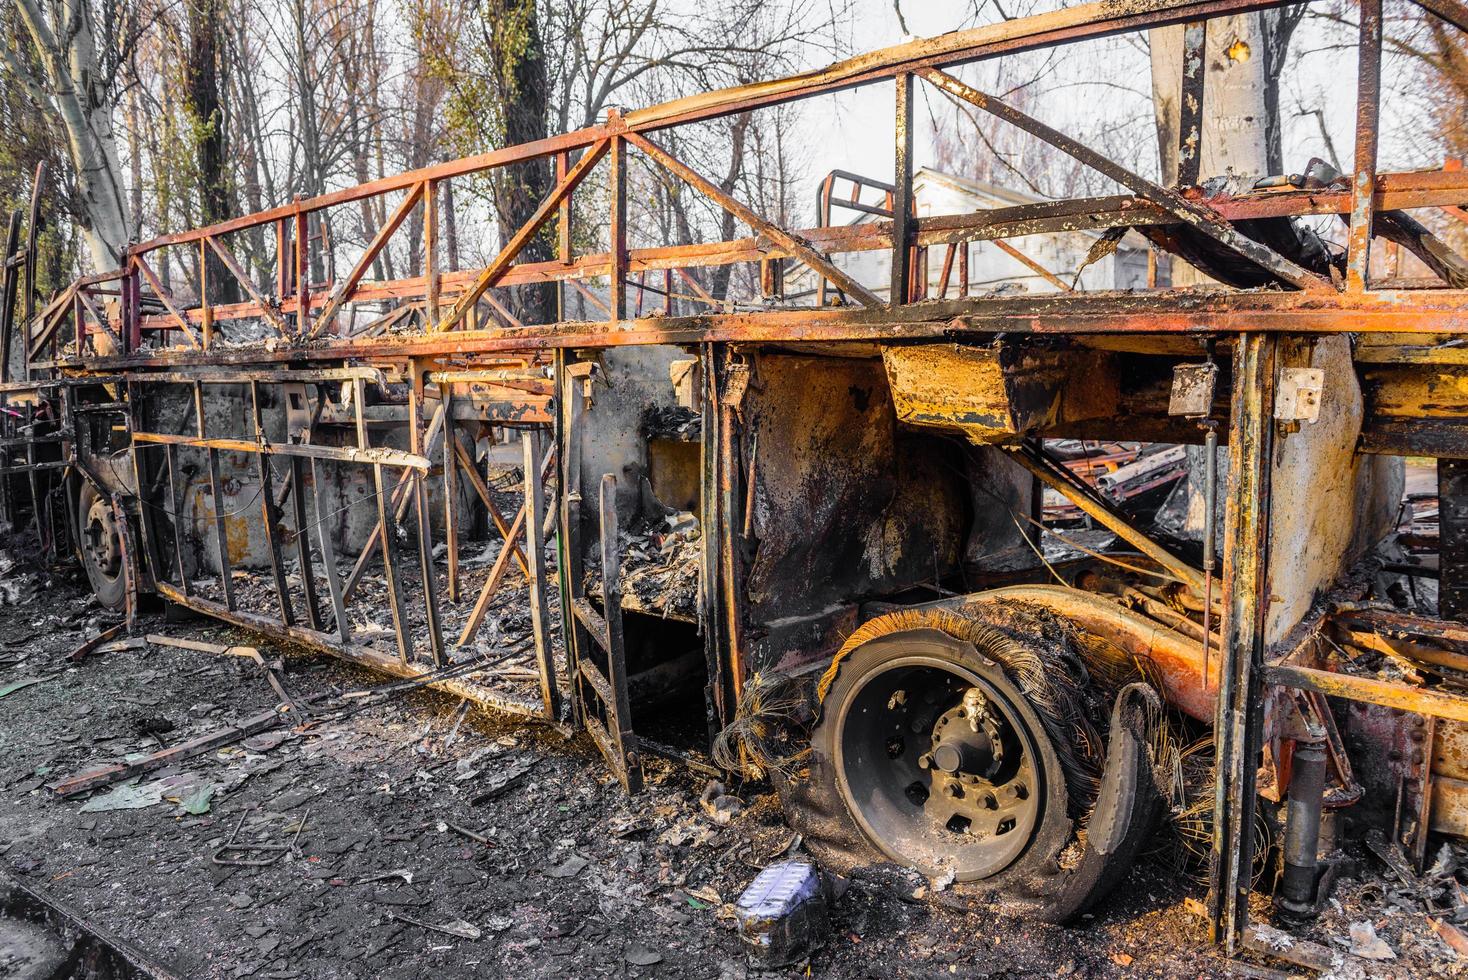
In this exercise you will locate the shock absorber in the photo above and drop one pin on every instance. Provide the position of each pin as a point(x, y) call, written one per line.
point(1296, 898)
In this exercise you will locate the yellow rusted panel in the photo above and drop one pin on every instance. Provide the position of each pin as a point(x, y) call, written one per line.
point(1450, 750)
point(997, 393)
point(1449, 806)
point(1417, 391)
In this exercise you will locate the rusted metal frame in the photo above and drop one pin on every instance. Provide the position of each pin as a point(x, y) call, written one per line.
point(1194, 215)
point(455, 683)
point(511, 535)
point(301, 269)
point(900, 290)
point(1395, 191)
point(450, 486)
point(269, 311)
point(591, 297)
point(328, 555)
point(206, 312)
point(702, 294)
point(211, 372)
point(167, 300)
point(492, 584)
point(343, 290)
point(617, 229)
point(383, 456)
point(216, 491)
point(1369, 690)
point(818, 262)
point(266, 477)
point(1238, 720)
point(1191, 312)
point(385, 527)
point(283, 251)
point(1363, 184)
point(1028, 263)
point(710, 596)
point(1190, 102)
point(50, 321)
point(729, 500)
point(522, 236)
point(430, 249)
point(148, 534)
point(1062, 481)
point(175, 514)
point(302, 539)
point(612, 687)
point(502, 311)
point(1455, 12)
point(539, 610)
point(424, 519)
point(569, 562)
point(1045, 30)
point(481, 490)
point(102, 321)
point(400, 500)
point(949, 254)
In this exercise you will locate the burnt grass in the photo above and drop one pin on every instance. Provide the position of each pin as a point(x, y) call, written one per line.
point(576, 880)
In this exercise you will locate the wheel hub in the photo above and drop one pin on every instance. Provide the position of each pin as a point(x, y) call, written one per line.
point(100, 538)
point(939, 768)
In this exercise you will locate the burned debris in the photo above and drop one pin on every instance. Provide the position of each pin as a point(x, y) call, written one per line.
point(959, 597)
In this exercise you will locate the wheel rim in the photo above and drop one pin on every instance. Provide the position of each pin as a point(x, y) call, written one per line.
point(100, 540)
point(939, 767)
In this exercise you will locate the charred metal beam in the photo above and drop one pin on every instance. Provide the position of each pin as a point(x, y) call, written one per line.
point(1237, 726)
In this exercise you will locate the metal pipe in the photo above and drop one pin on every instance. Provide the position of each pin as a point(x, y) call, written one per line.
point(1296, 898)
point(1210, 493)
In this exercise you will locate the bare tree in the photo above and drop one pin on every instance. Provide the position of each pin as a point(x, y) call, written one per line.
point(74, 75)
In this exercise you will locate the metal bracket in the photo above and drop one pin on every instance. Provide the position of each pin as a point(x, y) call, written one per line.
point(1298, 396)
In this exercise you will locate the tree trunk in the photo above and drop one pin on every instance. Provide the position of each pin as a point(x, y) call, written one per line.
point(524, 108)
point(76, 89)
point(202, 88)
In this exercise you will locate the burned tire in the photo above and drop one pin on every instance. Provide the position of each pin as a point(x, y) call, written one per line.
point(99, 538)
point(952, 752)
point(928, 757)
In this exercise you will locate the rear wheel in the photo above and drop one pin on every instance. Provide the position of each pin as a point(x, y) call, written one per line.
point(101, 547)
point(928, 756)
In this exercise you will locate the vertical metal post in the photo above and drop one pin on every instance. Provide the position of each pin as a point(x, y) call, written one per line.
point(175, 500)
point(711, 545)
point(430, 248)
point(206, 312)
point(563, 231)
point(328, 556)
point(535, 554)
point(303, 273)
point(424, 516)
point(135, 423)
point(902, 197)
point(568, 549)
point(617, 170)
point(384, 521)
point(1363, 186)
point(216, 491)
point(303, 542)
point(1238, 718)
point(266, 477)
point(1190, 103)
point(450, 486)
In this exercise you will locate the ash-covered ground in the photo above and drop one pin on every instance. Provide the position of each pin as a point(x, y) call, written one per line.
point(423, 840)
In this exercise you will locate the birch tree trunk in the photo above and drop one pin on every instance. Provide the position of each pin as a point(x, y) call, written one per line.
point(64, 38)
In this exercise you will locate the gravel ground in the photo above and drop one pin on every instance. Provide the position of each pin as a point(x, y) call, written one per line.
point(571, 879)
